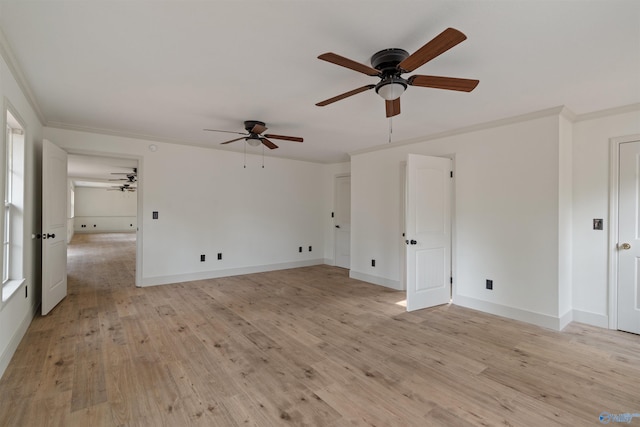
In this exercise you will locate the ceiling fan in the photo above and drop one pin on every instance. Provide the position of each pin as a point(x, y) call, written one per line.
point(254, 135)
point(130, 176)
point(390, 64)
point(123, 188)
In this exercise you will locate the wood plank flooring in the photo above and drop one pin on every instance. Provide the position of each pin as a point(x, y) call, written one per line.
point(303, 347)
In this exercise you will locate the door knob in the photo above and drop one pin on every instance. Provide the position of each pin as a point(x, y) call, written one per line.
point(413, 242)
point(49, 236)
point(337, 226)
point(624, 246)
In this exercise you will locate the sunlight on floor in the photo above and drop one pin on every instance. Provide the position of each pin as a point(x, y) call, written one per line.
point(402, 303)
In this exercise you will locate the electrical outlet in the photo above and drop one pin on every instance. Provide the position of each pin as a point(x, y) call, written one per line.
point(219, 255)
point(373, 263)
point(310, 248)
point(155, 214)
point(300, 249)
point(489, 284)
point(202, 258)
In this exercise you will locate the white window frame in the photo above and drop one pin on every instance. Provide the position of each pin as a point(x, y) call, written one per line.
point(12, 184)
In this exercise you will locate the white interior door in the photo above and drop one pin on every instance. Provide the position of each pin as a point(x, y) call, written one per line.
point(428, 231)
point(54, 226)
point(342, 221)
point(629, 238)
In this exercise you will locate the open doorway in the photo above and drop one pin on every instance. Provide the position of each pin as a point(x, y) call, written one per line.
point(103, 205)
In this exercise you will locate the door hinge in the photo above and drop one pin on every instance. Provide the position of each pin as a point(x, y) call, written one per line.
point(451, 280)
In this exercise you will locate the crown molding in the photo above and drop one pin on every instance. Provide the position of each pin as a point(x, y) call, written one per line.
point(562, 111)
point(18, 75)
point(608, 112)
point(555, 111)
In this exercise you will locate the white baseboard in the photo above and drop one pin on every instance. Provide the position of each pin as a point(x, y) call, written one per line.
point(381, 281)
point(565, 319)
point(103, 231)
point(593, 319)
point(11, 347)
point(543, 320)
point(214, 274)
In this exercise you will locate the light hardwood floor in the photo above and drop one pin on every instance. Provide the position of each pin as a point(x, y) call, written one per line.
point(305, 346)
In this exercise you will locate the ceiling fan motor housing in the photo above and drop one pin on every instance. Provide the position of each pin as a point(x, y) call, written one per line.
point(249, 124)
point(386, 61)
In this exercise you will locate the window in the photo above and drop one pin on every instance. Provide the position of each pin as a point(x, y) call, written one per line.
point(13, 219)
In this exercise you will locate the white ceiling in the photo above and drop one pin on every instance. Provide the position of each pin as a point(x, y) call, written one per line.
point(168, 69)
point(99, 171)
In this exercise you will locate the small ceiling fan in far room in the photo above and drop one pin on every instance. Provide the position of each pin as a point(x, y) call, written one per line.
point(123, 188)
point(390, 64)
point(254, 136)
point(130, 176)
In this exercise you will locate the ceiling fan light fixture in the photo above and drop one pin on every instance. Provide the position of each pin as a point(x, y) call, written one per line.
point(391, 88)
point(254, 141)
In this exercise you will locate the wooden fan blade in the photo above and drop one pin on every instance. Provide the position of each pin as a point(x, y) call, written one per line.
point(393, 107)
point(225, 131)
point(348, 63)
point(268, 143)
point(437, 46)
point(286, 138)
point(438, 82)
point(345, 95)
point(233, 140)
point(258, 129)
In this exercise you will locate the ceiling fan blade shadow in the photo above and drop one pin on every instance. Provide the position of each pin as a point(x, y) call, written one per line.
point(283, 137)
point(393, 107)
point(233, 140)
point(439, 82)
point(268, 143)
point(345, 95)
point(437, 46)
point(349, 63)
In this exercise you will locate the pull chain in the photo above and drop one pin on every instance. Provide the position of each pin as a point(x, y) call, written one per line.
point(390, 128)
point(262, 156)
point(245, 153)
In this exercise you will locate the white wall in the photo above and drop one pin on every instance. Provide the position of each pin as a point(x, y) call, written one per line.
point(208, 203)
point(526, 194)
point(17, 312)
point(591, 135)
point(102, 211)
point(565, 220)
point(506, 217)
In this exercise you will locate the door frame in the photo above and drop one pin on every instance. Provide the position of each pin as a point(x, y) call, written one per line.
point(614, 186)
point(139, 198)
